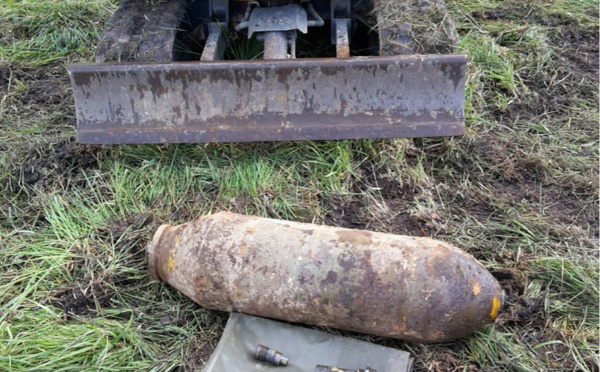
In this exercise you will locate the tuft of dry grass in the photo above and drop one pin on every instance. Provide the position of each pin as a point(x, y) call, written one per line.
point(415, 27)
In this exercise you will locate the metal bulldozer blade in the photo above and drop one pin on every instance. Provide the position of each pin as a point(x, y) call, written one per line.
point(295, 99)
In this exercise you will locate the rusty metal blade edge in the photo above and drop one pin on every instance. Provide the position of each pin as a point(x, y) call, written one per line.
point(304, 99)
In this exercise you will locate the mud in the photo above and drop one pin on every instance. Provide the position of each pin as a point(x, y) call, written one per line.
point(45, 86)
point(64, 160)
point(199, 355)
point(75, 301)
point(355, 214)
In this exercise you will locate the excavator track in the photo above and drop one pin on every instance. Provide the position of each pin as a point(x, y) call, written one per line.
point(141, 31)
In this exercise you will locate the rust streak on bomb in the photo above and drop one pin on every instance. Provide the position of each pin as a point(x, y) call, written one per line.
point(389, 285)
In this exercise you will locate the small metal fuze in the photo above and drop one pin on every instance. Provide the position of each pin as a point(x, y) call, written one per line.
point(269, 355)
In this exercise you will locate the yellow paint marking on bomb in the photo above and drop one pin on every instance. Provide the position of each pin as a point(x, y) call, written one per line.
point(170, 264)
point(496, 304)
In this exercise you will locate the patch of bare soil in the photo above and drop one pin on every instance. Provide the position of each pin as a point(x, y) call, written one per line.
point(446, 362)
point(61, 162)
point(519, 310)
point(135, 221)
point(523, 175)
point(397, 219)
point(44, 87)
point(78, 301)
point(197, 358)
point(40, 100)
point(577, 45)
point(578, 52)
point(415, 27)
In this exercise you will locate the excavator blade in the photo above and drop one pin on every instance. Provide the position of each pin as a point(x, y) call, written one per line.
point(272, 100)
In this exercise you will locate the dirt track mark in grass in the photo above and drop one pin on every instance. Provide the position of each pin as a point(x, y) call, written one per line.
point(395, 217)
point(37, 105)
point(65, 159)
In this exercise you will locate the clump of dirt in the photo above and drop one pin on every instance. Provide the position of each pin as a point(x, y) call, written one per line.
point(78, 301)
point(349, 215)
point(527, 313)
point(5, 77)
point(43, 92)
point(65, 160)
point(488, 15)
point(520, 311)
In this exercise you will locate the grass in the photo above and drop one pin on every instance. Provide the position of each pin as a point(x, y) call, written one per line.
point(242, 48)
point(519, 191)
point(38, 33)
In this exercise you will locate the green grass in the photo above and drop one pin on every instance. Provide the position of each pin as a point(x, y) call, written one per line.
point(37, 33)
point(242, 48)
point(519, 191)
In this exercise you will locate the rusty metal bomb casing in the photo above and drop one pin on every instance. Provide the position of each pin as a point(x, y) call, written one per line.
point(395, 286)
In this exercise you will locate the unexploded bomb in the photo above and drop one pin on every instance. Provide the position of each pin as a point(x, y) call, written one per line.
point(403, 287)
